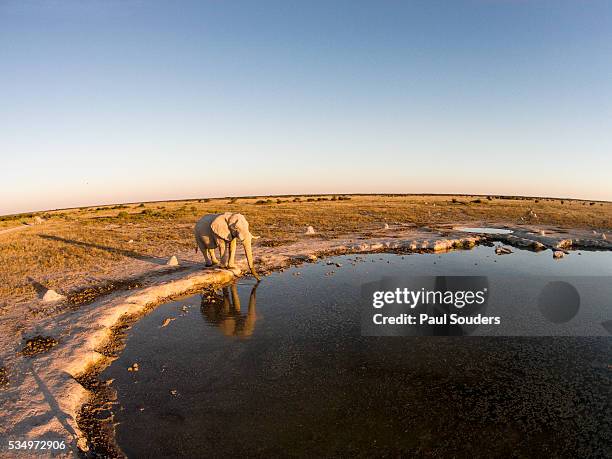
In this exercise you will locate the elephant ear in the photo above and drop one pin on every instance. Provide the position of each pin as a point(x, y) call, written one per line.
point(239, 227)
point(220, 228)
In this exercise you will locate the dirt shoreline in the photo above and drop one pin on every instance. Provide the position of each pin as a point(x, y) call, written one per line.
point(56, 395)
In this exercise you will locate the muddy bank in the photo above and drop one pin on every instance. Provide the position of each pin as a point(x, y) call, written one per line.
point(45, 393)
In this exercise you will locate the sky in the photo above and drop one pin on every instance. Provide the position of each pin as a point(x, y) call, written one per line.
point(127, 101)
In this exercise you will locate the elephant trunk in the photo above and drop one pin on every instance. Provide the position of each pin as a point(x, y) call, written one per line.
point(249, 255)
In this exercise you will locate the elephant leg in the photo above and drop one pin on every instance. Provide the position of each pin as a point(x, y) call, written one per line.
point(207, 258)
point(206, 252)
point(222, 251)
point(212, 256)
point(231, 262)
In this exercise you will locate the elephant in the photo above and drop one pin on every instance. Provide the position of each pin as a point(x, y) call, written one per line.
point(220, 231)
point(225, 312)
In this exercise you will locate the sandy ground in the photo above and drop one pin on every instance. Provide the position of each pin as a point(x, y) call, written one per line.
point(42, 396)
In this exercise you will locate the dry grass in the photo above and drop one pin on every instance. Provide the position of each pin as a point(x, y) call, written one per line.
point(82, 247)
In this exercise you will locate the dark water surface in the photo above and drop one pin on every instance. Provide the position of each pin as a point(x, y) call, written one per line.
point(485, 230)
point(282, 370)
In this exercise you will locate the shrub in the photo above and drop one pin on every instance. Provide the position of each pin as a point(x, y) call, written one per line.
point(141, 204)
point(311, 199)
point(123, 214)
point(477, 201)
point(260, 202)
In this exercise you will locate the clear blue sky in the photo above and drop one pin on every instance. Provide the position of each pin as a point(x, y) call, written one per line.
point(114, 101)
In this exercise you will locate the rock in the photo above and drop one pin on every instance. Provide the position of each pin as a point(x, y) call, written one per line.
point(173, 392)
point(51, 296)
point(386, 226)
point(603, 236)
point(134, 367)
point(173, 261)
point(558, 254)
point(167, 321)
point(131, 241)
point(310, 230)
point(442, 245)
point(499, 250)
point(542, 233)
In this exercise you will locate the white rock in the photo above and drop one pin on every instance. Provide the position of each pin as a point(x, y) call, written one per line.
point(51, 296)
point(558, 254)
point(603, 236)
point(386, 226)
point(173, 261)
point(131, 241)
point(542, 233)
point(310, 230)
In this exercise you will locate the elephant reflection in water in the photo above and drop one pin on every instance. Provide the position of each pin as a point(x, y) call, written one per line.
point(226, 313)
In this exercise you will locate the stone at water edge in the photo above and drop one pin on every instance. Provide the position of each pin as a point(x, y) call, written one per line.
point(310, 230)
point(173, 261)
point(558, 254)
point(499, 250)
point(51, 296)
point(603, 236)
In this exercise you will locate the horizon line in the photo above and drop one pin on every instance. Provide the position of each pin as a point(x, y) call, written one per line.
point(501, 196)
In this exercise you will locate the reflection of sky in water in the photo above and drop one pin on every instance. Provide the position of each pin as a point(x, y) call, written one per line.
point(284, 368)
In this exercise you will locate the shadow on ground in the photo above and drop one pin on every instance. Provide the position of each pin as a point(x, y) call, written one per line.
point(125, 253)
